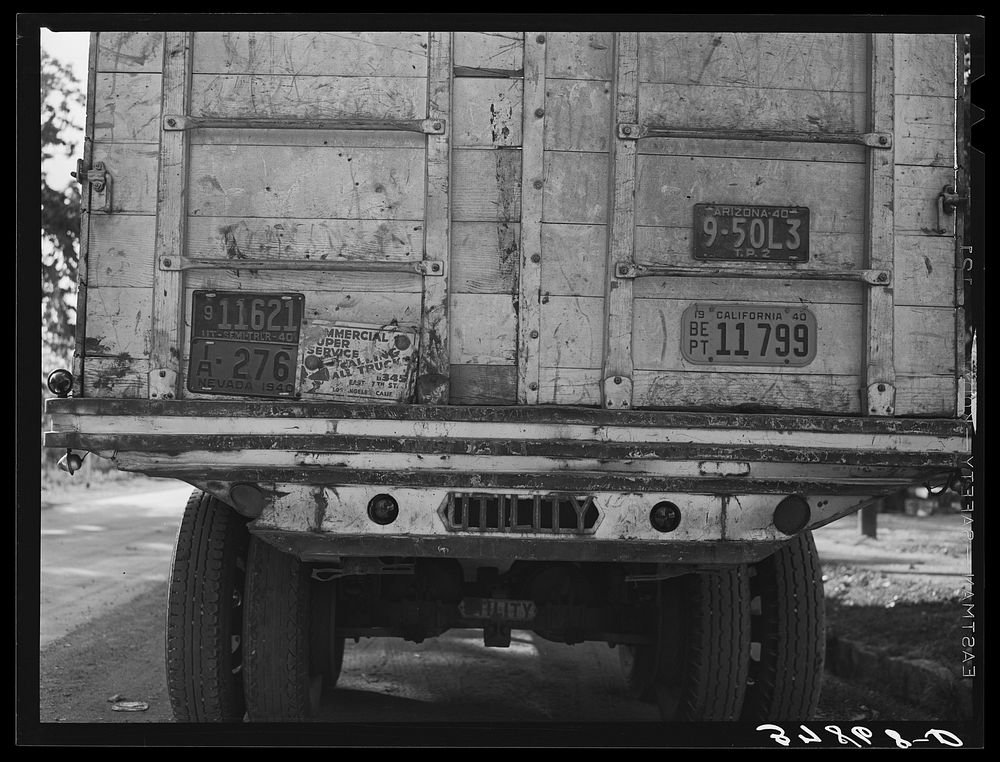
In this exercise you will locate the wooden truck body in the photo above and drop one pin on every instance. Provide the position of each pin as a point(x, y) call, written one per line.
point(573, 332)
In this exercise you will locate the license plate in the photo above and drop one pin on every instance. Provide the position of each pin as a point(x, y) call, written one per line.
point(748, 334)
point(497, 608)
point(244, 343)
point(751, 232)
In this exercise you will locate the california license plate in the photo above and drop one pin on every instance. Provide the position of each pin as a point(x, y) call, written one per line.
point(748, 334)
point(751, 232)
point(244, 343)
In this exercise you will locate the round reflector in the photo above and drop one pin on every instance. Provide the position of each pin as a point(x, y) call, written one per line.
point(665, 516)
point(60, 382)
point(383, 509)
point(791, 515)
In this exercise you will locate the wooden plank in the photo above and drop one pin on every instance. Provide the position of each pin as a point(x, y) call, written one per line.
point(879, 379)
point(917, 190)
point(226, 136)
point(328, 97)
point(303, 54)
point(483, 329)
point(127, 108)
point(924, 340)
point(925, 396)
point(618, 360)
point(291, 238)
point(483, 385)
point(488, 52)
point(434, 351)
point(669, 186)
point(486, 185)
point(578, 115)
point(570, 386)
point(322, 308)
point(302, 182)
point(130, 51)
point(574, 261)
point(271, 280)
point(86, 219)
point(171, 217)
point(672, 246)
point(750, 108)
point(716, 391)
point(118, 377)
point(823, 61)
point(118, 322)
point(657, 340)
point(579, 55)
point(533, 189)
point(121, 251)
point(706, 289)
point(576, 187)
point(925, 64)
point(572, 332)
point(487, 112)
point(925, 271)
point(484, 257)
point(133, 168)
point(754, 149)
point(925, 130)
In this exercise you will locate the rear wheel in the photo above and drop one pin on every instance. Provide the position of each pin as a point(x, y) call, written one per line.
point(787, 634)
point(279, 681)
point(696, 670)
point(204, 649)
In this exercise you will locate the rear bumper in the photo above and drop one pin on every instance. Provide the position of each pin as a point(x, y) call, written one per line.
point(318, 464)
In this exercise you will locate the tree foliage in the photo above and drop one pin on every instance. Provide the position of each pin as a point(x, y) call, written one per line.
point(60, 208)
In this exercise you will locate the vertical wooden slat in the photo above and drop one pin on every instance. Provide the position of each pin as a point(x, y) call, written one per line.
point(85, 197)
point(880, 376)
point(171, 218)
point(962, 230)
point(432, 378)
point(532, 188)
point(618, 336)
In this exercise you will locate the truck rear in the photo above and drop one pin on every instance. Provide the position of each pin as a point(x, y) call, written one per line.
point(575, 333)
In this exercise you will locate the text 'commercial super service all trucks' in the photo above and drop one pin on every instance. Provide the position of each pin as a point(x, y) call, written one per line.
point(575, 333)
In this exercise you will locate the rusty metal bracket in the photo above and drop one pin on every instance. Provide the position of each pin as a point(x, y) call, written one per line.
point(881, 399)
point(947, 201)
point(876, 277)
point(179, 122)
point(626, 270)
point(162, 383)
point(427, 267)
point(618, 392)
point(630, 131)
point(99, 179)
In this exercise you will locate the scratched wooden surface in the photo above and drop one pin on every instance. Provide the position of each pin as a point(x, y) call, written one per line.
point(130, 51)
point(488, 53)
point(121, 251)
point(487, 112)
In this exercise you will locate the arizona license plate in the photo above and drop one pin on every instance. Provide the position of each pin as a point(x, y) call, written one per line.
point(751, 232)
point(244, 343)
point(748, 334)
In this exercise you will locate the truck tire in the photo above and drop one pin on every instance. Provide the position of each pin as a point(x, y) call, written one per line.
point(787, 633)
point(204, 650)
point(697, 670)
point(278, 678)
point(327, 650)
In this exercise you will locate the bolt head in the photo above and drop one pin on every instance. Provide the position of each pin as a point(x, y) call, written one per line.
point(883, 140)
point(618, 379)
point(172, 122)
point(435, 268)
point(539, 112)
point(536, 258)
point(533, 386)
point(534, 334)
point(538, 184)
point(437, 125)
point(540, 39)
point(626, 130)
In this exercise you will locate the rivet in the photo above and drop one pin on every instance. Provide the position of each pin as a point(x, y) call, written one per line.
point(883, 140)
point(533, 386)
point(618, 379)
point(540, 39)
point(534, 334)
point(166, 263)
point(536, 258)
point(881, 387)
point(437, 125)
point(538, 184)
point(626, 130)
point(539, 112)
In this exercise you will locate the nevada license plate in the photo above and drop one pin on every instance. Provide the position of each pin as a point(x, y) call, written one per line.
point(751, 232)
point(748, 334)
point(244, 343)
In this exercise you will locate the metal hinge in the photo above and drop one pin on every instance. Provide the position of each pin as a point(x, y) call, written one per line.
point(947, 201)
point(99, 179)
